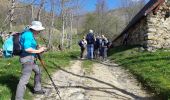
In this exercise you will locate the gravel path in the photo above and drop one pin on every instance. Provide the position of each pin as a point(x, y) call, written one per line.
point(106, 82)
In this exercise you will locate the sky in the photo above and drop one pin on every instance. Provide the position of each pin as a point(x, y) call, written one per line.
point(90, 5)
point(112, 4)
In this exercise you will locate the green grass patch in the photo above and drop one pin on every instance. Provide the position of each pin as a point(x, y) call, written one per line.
point(151, 68)
point(87, 65)
point(10, 70)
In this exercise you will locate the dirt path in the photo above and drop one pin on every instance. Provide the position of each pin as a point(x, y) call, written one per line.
point(104, 83)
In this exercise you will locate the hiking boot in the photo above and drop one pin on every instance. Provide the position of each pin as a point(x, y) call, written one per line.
point(39, 92)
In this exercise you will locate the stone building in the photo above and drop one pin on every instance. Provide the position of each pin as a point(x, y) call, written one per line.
point(150, 28)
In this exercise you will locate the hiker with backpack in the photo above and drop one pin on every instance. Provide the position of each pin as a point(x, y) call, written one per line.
point(27, 59)
point(104, 48)
point(90, 44)
point(97, 46)
point(83, 43)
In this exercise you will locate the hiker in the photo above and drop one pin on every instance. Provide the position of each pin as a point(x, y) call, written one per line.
point(90, 44)
point(97, 46)
point(109, 45)
point(27, 59)
point(104, 48)
point(59, 47)
point(125, 39)
point(83, 44)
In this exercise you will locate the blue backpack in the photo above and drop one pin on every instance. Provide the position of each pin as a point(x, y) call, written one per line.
point(90, 38)
point(98, 43)
point(12, 46)
point(80, 43)
point(7, 47)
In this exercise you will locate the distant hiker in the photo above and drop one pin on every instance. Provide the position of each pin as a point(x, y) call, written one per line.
point(97, 46)
point(59, 47)
point(104, 48)
point(109, 44)
point(27, 59)
point(125, 39)
point(90, 44)
point(82, 43)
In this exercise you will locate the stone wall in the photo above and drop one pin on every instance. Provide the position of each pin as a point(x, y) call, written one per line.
point(151, 32)
point(158, 33)
point(134, 36)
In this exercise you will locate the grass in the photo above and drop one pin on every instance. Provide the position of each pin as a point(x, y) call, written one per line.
point(9, 73)
point(87, 65)
point(151, 68)
point(10, 70)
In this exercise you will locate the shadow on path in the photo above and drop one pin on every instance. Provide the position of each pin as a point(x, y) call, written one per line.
point(100, 89)
point(11, 81)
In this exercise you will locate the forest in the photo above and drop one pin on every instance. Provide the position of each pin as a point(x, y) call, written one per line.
point(66, 19)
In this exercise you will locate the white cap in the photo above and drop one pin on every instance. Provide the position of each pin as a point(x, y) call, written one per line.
point(37, 26)
point(91, 31)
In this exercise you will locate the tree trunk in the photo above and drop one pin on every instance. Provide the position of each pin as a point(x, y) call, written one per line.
point(63, 23)
point(51, 29)
point(40, 9)
point(71, 30)
point(11, 14)
point(32, 11)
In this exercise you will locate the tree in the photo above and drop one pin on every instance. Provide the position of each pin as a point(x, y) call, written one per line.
point(68, 9)
point(11, 14)
point(90, 22)
point(101, 12)
point(63, 22)
point(40, 9)
point(32, 11)
point(51, 29)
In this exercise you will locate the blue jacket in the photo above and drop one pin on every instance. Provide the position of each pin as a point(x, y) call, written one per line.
point(27, 40)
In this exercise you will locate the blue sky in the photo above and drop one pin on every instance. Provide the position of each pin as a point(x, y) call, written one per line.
point(112, 4)
point(90, 5)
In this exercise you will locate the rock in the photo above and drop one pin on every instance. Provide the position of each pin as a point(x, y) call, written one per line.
point(151, 30)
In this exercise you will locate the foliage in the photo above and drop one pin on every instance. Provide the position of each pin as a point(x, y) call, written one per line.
point(112, 24)
point(58, 24)
point(90, 22)
point(151, 68)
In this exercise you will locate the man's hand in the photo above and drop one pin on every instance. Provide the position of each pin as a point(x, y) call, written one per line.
point(42, 49)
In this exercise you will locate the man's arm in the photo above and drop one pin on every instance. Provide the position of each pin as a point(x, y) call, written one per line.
point(31, 50)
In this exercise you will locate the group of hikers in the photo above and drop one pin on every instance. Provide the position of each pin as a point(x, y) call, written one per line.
point(95, 46)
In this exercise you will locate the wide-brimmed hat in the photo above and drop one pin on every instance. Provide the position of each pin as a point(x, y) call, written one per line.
point(37, 26)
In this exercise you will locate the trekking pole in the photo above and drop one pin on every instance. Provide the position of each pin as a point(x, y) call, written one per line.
point(43, 64)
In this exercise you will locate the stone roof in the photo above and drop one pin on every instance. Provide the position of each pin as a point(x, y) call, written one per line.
point(151, 6)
